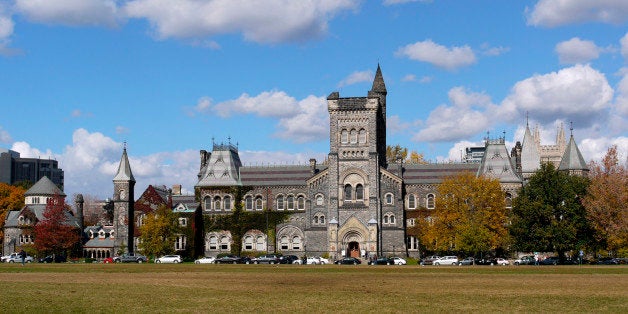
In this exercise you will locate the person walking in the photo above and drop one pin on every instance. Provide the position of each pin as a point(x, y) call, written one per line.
point(23, 256)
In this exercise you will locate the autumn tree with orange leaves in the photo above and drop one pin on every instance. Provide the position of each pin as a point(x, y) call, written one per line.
point(11, 198)
point(606, 203)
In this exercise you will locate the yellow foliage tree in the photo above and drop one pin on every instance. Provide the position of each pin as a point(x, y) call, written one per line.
point(11, 198)
point(470, 216)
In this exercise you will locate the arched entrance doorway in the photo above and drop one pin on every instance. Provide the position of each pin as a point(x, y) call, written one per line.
point(353, 249)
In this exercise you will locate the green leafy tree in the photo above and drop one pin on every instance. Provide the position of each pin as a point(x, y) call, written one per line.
point(548, 214)
point(158, 232)
point(607, 203)
point(55, 233)
point(470, 215)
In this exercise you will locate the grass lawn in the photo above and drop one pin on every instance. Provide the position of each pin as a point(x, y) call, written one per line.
point(150, 288)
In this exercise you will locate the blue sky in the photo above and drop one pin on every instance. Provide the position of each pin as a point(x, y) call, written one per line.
point(78, 78)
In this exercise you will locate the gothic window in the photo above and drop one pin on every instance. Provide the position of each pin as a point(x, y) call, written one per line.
point(385, 219)
point(319, 200)
point(411, 201)
point(359, 192)
point(348, 189)
point(259, 203)
point(321, 219)
point(249, 202)
point(180, 243)
point(296, 243)
point(389, 199)
point(213, 243)
point(362, 136)
point(301, 203)
point(224, 244)
point(208, 203)
point(344, 136)
point(217, 203)
point(227, 202)
point(260, 244)
point(430, 201)
point(290, 202)
point(183, 222)
point(283, 243)
point(353, 136)
point(391, 219)
point(280, 202)
point(248, 243)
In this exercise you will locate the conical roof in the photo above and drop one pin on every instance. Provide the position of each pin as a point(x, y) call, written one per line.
point(572, 158)
point(124, 169)
point(44, 187)
point(378, 83)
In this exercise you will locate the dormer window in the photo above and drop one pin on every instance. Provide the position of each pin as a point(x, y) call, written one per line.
point(101, 234)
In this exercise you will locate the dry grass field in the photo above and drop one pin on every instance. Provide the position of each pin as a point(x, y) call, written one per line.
point(189, 288)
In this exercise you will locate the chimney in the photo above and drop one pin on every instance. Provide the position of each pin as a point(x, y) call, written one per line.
point(176, 189)
point(312, 165)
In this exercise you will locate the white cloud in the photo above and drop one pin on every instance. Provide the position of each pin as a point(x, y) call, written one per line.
point(467, 115)
point(6, 31)
point(487, 50)
point(270, 21)
point(580, 94)
point(458, 150)
point(438, 55)
point(577, 50)
point(5, 137)
point(70, 12)
point(357, 77)
point(26, 151)
point(624, 47)
point(266, 104)
point(595, 148)
point(393, 2)
point(553, 13)
point(395, 125)
point(311, 123)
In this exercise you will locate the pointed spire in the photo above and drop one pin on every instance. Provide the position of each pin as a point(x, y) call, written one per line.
point(124, 169)
point(378, 83)
point(572, 158)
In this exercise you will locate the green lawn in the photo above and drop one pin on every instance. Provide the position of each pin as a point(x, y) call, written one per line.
point(116, 288)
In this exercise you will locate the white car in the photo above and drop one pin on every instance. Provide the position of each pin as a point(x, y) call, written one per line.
point(169, 259)
point(446, 260)
point(309, 261)
point(205, 260)
point(323, 260)
point(398, 261)
point(501, 261)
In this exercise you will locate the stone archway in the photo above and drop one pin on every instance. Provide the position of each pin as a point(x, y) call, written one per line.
point(352, 242)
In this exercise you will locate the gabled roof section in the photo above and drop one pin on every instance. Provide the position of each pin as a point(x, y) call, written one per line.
point(290, 175)
point(572, 158)
point(414, 174)
point(530, 155)
point(124, 169)
point(44, 187)
point(378, 83)
point(497, 164)
point(223, 167)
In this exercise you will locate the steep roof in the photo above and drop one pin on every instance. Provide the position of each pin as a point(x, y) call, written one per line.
point(530, 155)
point(124, 169)
point(44, 187)
point(572, 158)
point(497, 164)
point(378, 83)
point(223, 167)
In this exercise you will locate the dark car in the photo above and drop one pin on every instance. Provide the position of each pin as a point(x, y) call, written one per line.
point(267, 259)
point(348, 261)
point(552, 260)
point(53, 259)
point(608, 261)
point(525, 260)
point(382, 261)
point(232, 259)
point(467, 261)
point(288, 259)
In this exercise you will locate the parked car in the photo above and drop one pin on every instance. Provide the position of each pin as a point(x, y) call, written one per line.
point(267, 259)
point(205, 260)
point(323, 260)
point(446, 260)
point(502, 261)
point(429, 260)
point(467, 261)
point(173, 259)
point(288, 259)
point(348, 261)
point(524, 260)
point(388, 261)
point(485, 261)
point(552, 260)
point(608, 261)
point(15, 258)
point(232, 259)
point(311, 260)
point(130, 258)
point(398, 261)
point(108, 260)
point(53, 258)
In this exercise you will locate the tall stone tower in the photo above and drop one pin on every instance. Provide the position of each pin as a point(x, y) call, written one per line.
point(123, 201)
point(357, 151)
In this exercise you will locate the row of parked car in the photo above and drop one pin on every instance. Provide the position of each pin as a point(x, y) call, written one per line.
point(264, 259)
point(16, 258)
point(453, 260)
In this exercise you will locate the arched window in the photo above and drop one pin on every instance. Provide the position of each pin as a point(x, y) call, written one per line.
point(391, 219)
point(284, 243)
point(248, 243)
point(430, 201)
point(362, 136)
point(290, 200)
point(224, 244)
point(260, 244)
point(296, 243)
point(359, 192)
point(389, 199)
point(348, 189)
point(508, 200)
point(217, 203)
point(319, 200)
point(316, 220)
point(353, 136)
point(301, 203)
point(208, 203)
point(411, 201)
point(259, 204)
point(280, 202)
point(227, 202)
point(321, 219)
point(385, 219)
point(249, 202)
point(344, 136)
point(212, 243)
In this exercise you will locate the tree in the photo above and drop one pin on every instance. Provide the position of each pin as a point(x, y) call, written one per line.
point(396, 153)
point(548, 215)
point(55, 233)
point(416, 158)
point(158, 232)
point(606, 202)
point(470, 215)
point(11, 198)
